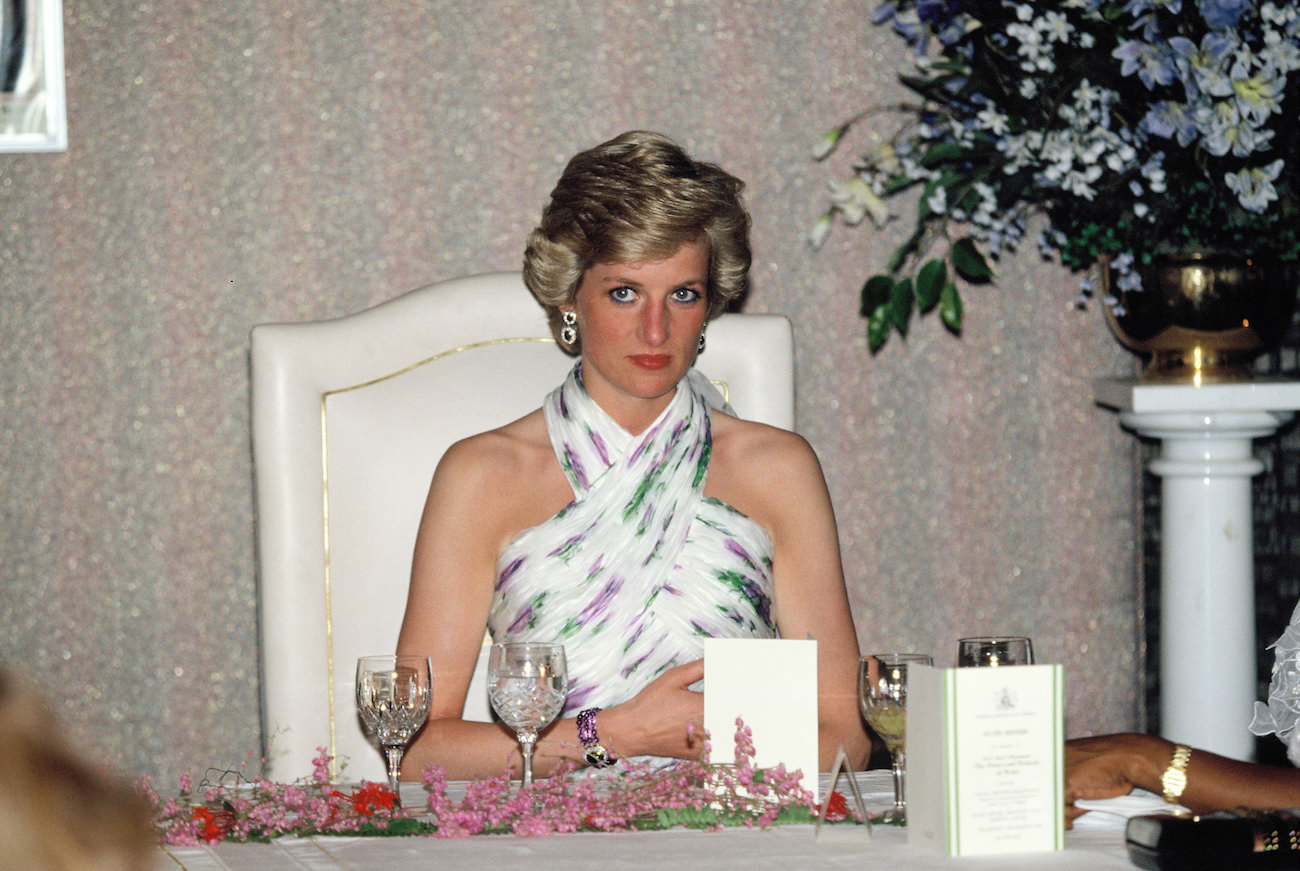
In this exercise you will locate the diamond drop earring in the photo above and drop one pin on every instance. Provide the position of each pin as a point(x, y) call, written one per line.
point(569, 332)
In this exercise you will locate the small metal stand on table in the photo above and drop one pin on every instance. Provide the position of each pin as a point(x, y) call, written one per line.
point(1207, 558)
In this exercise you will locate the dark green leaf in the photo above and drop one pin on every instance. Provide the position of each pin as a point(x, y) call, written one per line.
point(941, 153)
point(950, 66)
point(969, 262)
point(929, 282)
point(964, 198)
point(932, 88)
point(393, 827)
point(903, 251)
point(406, 827)
point(950, 307)
point(878, 327)
point(897, 183)
point(900, 305)
point(875, 293)
point(896, 258)
point(951, 181)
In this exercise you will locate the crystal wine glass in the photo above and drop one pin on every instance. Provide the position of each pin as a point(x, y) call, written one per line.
point(994, 650)
point(527, 683)
point(882, 693)
point(393, 697)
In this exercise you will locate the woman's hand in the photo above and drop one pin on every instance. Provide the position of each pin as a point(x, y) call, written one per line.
point(656, 721)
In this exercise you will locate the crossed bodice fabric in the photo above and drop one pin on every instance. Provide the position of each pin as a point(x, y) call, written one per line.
point(634, 573)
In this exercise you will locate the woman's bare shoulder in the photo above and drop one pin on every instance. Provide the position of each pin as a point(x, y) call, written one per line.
point(505, 479)
point(756, 446)
point(506, 451)
point(763, 471)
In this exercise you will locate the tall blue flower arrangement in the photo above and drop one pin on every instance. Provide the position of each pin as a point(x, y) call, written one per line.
point(1131, 127)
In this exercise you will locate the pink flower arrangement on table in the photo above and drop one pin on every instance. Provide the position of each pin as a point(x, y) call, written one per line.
point(260, 809)
point(695, 794)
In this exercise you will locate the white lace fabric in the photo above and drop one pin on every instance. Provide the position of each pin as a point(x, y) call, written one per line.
point(1282, 711)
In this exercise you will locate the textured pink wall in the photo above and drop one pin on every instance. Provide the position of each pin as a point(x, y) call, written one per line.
point(242, 162)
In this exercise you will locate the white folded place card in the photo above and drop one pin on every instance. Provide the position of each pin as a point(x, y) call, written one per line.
point(771, 684)
point(984, 759)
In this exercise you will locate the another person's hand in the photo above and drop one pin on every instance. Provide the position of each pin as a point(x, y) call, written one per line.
point(656, 720)
point(1112, 765)
point(1108, 766)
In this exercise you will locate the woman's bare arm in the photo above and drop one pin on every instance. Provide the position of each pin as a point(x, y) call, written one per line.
point(447, 608)
point(777, 480)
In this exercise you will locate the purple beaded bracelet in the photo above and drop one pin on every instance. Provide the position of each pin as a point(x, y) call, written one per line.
point(596, 755)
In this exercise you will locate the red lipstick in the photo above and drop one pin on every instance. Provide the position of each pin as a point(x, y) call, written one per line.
point(651, 361)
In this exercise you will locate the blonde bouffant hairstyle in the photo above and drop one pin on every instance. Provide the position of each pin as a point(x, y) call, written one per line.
point(636, 199)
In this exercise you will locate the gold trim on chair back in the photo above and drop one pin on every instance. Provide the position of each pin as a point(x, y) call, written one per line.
point(335, 678)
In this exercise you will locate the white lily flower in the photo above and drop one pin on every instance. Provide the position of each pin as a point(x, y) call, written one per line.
point(1254, 187)
point(1056, 26)
point(1259, 95)
point(856, 200)
point(992, 120)
point(884, 157)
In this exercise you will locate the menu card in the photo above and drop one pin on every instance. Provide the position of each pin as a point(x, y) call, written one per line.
point(984, 759)
point(771, 684)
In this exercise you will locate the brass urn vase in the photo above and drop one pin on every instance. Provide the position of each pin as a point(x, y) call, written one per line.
point(1203, 316)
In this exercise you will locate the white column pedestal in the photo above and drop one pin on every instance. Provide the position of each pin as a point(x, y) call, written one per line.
point(1208, 649)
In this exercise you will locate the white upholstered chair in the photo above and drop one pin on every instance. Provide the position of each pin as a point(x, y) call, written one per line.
point(350, 416)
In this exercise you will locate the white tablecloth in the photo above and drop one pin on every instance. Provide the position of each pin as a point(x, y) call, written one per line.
point(787, 848)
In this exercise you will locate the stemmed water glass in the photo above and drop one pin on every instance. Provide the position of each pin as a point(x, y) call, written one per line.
point(527, 683)
point(393, 698)
point(994, 650)
point(882, 693)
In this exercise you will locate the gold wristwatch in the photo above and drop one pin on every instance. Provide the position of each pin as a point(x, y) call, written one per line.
point(1174, 780)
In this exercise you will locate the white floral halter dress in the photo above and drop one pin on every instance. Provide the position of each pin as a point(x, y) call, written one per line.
point(640, 568)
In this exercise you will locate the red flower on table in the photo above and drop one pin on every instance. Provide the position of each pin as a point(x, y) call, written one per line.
point(371, 798)
point(837, 807)
point(216, 823)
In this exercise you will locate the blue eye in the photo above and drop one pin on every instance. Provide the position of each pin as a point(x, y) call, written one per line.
point(622, 294)
point(686, 294)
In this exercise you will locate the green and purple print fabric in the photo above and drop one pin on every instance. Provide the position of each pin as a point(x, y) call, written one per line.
point(640, 568)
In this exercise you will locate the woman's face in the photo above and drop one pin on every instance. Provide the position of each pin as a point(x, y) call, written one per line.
point(640, 326)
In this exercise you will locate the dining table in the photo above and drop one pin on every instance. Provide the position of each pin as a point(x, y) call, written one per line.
point(1095, 844)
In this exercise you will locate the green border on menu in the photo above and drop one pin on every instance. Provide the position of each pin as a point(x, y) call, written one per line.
point(953, 833)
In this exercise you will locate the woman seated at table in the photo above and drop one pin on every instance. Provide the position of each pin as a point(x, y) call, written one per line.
point(1108, 766)
point(629, 517)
